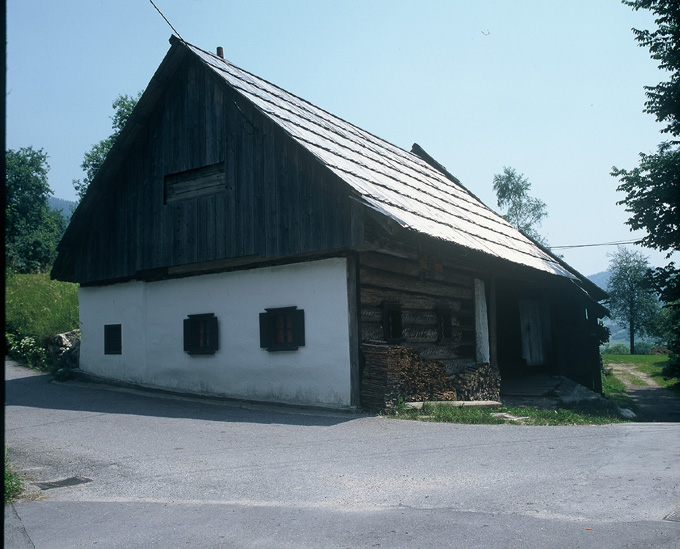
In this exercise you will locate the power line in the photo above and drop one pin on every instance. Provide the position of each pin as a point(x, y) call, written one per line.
point(619, 243)
point(166, 20)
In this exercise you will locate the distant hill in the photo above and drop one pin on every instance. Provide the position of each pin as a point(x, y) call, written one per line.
point(601, 279)
point(64, 206)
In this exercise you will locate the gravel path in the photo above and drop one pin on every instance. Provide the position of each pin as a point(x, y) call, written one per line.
point(654, 402)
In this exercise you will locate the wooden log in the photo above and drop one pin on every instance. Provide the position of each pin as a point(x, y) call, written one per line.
point(412, 268)
point(396, 372)
point(374, 296)
point(408, 284)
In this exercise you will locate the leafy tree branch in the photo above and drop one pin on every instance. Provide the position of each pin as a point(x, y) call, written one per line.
point(93, 159)
point(523, 211)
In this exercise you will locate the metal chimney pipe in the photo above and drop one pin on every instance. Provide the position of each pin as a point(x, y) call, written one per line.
point(220, 52)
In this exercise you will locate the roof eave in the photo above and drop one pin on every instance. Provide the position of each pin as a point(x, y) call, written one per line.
point(63, 268)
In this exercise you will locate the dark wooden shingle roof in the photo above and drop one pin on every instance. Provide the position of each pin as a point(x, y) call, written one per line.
point(392, 181)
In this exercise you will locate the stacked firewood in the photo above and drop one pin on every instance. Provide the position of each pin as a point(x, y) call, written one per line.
point(478, 382)
point(376, 393)
point(393, 373)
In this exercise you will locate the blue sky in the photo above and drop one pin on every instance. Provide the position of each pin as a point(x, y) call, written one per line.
point(553, 89)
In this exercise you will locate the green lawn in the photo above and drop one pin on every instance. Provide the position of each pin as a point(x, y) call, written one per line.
point(652, 365)
point(583, 413)
point(614, 389)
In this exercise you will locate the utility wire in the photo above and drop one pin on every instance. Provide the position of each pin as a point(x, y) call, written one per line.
point(592, 245)
point(550, 247)
point(166, 20)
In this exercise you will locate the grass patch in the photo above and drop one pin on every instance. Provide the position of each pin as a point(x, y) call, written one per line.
point(614, 390)
point(655, 371)
point(632, 379)
point(451, 414)
point(652, 365)
point(638, 360)
point(38, 307)
point(583, 413)
point(13, 484)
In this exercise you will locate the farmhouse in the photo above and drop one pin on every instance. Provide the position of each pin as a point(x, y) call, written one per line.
point(240, 241)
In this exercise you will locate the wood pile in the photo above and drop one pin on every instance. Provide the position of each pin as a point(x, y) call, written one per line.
point(478, 382)
point(392, 373)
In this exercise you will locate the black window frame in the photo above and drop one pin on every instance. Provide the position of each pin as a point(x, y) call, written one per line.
point(194, 183)
point(201, 334)
point(282, 329)
point(393, 324)
point(444, 325)
point(113, 339)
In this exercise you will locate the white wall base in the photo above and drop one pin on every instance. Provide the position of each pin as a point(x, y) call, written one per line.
point(152, 315)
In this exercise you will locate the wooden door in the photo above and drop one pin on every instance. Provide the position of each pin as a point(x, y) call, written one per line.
point(534, 317)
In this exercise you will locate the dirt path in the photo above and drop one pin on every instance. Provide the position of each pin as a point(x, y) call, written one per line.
point(655, 403)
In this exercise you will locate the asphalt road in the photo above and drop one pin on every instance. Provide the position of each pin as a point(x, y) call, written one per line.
point(159, 471)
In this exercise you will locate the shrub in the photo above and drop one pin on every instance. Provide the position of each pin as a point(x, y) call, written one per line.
point(616, 349)
point(643, 347)
point(27, 350)
point(672, 368)
point(39, 308)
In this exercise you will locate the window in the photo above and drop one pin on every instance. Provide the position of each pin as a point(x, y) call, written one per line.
point(282, 329)
point(200, 334)
point(392, 325)
point(195, 183)
point(444, 330)
point(113, 339)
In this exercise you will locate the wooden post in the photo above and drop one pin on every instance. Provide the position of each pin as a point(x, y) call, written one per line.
point(482, 354)
point(493, 321)
point(353, 310)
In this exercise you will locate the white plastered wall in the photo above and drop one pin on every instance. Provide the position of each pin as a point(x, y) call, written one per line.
point(152, 315)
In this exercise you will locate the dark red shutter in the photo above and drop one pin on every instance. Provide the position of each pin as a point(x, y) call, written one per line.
point(213, 342)
point(188, 344)
point(299, 327)
point(265, 335)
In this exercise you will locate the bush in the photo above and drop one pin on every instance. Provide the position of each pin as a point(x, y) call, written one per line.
point(643, 347)
point(616, 349)
point(27, 350)
point(672, 368)
point(37, 309)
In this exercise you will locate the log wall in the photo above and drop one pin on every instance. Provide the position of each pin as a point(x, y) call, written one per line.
point(434, 357)
point(422, 293)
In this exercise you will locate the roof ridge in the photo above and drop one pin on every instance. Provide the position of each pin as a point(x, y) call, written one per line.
point(331, 117)
point(436, 203)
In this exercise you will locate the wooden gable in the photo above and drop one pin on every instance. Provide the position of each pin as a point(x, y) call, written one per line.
point(199, 175)
point(217, 167)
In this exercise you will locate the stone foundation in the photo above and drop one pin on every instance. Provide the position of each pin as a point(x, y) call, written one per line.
point(65, 350)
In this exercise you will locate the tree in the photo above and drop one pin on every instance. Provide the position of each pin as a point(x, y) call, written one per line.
point(123, 106)
point(32, 229)
point(653, 188)
point(632, 301)
point(523, 211)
